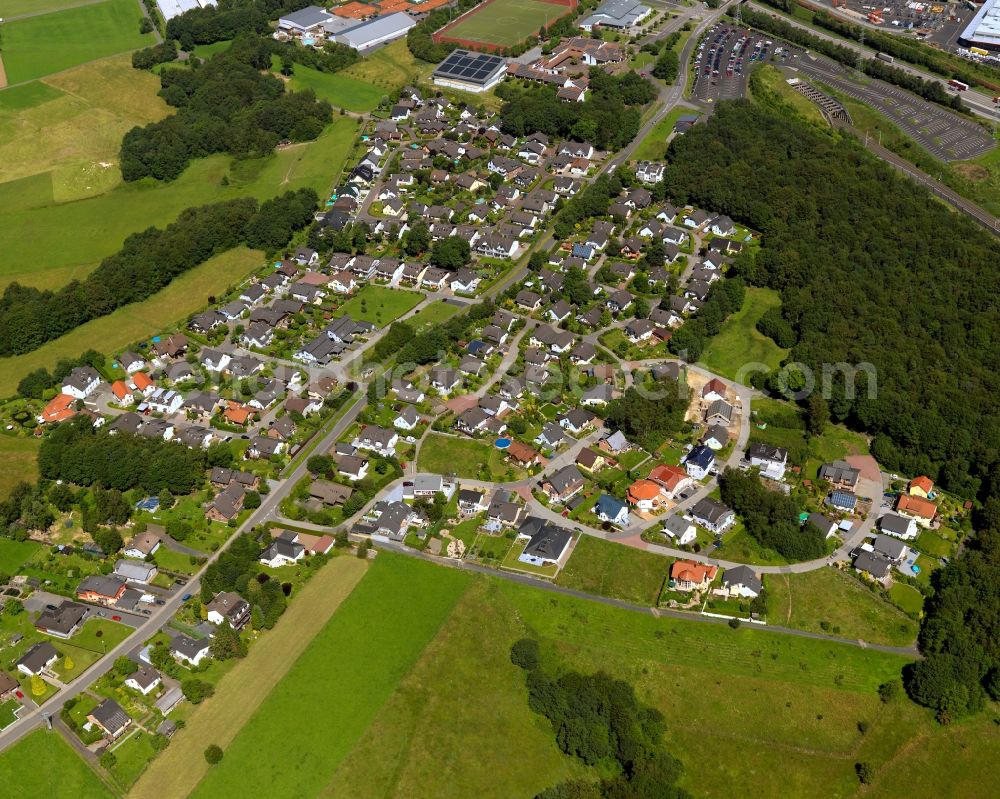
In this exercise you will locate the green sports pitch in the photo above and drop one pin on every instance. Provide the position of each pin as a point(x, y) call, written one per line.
point(506, 22)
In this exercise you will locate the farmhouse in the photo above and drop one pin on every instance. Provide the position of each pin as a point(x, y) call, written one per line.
point(470, 72)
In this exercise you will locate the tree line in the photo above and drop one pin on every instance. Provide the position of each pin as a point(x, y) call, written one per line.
point(725, 297)
point(146, 263)
point(649, 418)
point(609, 118)
point(600, 721)
point(402, 344)
point(930, 90)
point(770, 517)
point(76, 452)
point(226, 104)
point(871, 270)
point(227, 20)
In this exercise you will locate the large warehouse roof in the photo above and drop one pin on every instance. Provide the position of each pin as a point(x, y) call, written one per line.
point(984, 29)
point(376, 31)
point(463, 65)
point(174, 8)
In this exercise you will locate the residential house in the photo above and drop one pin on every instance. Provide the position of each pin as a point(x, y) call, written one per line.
point(142, 545)
point(577, 420)
point(840, 474)
point(673, 480)
point(227, 503)
point(81, 382)
point(688, 576)
point(189, 651)
point(101, 589)
point(645, 495)
point(283, 551)
point(842, 500)
point(714, 390)
point(471, 502)
point(742, 581)
point(875, 565)
point(899, 526)
point(679, 529)
point(826, 526)
point(352, 467)
point(564, 484)
point(229, 608)
point(921, 486)
point(891, 548)
point(547, 543)
point(699, 462)
point(716, 436)
point(613, 510)
point(769, 459)
point(712, 515)
point(921, 510)
point(110, 718)
point(62, 621)
point(135, 571)
point(37, 659)
point(377, 439)
point(144, 680)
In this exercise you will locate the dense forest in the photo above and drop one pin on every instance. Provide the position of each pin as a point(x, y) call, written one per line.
point(76, 452)
point(600, 721)
point(226, 104)
point(928, 89)
point(649, 416)
point(147, 262)
point(609, 118)
point(871, 269)
point(770, 517)
point(227, 20)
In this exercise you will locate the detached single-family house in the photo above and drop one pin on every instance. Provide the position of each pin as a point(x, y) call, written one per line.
point(81, 382)
point(613, 510)
point(62, 621)
point(686, 575)
point(742, 581)
point(142, 545)
point(564, 484)
point(898, 526)
point(284, 550)
point(144, 680)
point(826, 526)
point(645, 495)
point(840, 474)
point(699, 462)
point(110, 718)
point(377, 439)
point(673, 480)
point(680, 530)
point(190, 651)
point(547, 543)
point(230, 608)
point(712, 515)
point(770, 460)
point(921, 486)
point(37, 659)
point(921, 510)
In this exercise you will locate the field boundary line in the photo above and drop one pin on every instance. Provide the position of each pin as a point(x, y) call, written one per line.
point(181, 767)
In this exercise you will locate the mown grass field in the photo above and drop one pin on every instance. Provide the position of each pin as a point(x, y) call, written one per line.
point(341, 91)
point(14, 554)
point(774, 81)
point(17, 456)
point(42, 45)
point(43, 764)
point(17, 8)
point(463, 457)
point(323, 705)
point(177, 771)
point(65, 243)
point(380, 305)
point(432, 315)
point(739, 344)
point(828, 596)
point(507, 22)
point(654, 146)
point(71, 125)
point(615, 570)
point(390, 67)
point(130, 323)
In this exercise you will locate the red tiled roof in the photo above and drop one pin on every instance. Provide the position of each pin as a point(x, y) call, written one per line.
point(923, 482)
point(691, 572)
point(59, 409)
point(916, 506)
point(668, 476)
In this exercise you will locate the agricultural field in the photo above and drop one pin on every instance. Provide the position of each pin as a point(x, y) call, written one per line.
point(507, 22)
point(42, 45)
point(615, 570)
point(827, 600)
point(370, 644)
point(43, 764)
point(177, 771)
point(463, 457)
point(17, 455)
point(134, 322)
point(70, 126)
point(66, 244)
point(739, 343)
point(457, 692)
point(379, 305)
point(340, 90)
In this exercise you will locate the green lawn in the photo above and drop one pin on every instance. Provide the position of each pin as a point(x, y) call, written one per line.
point(17, 8)
point(43, 764)
point(67, 243)
point(389, 67)
point(463, 457)
point(507, 22)
point(37, 46)
point(908, 598)
point(341, 91)
point(615, 570)
point(132, 757)
point(182, 297)
point(739, 344)
point(14, 554)
point(654, 145)
point(7, 710)
point(827, 600)
point(771, 80)
point(379, 305)
point(17, 455)
point(433, 314)
point(930, 543)
point(364, 651)
point(738, 545)
point(206, 51)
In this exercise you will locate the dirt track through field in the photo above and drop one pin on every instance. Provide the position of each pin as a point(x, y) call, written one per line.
point(179, 769)
point(3, 75)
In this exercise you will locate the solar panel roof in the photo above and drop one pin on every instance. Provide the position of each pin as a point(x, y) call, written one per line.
point(468, 66)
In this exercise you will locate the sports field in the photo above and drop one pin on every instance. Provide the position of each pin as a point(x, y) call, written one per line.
point(185, 295)
point(41, 45)
point(65, 242)
point(506, 22)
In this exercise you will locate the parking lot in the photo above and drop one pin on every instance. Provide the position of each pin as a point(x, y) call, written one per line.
point(942, 133)
point(725, 59)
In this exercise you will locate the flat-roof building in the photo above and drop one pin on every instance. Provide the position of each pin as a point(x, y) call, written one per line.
point(174, 8)
point(304, 20)
point(376, 31)
point(620, 14)
point(470, 72)
point(983, 29)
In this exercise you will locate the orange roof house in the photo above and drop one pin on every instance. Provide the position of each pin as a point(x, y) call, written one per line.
point(921, 486)
point(690, 576)
point(923, 510)
point(645, 494)
point(238, 414)
point(670, 477)
point(59, 409)
point(522, 453)
point(122, 392)
point(142, 381)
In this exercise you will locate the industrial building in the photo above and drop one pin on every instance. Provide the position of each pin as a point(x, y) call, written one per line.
point(305, 20)
point(984, 28)
point(618, 14)
point(376, 31)
point(470, 72)
point(174, 8)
